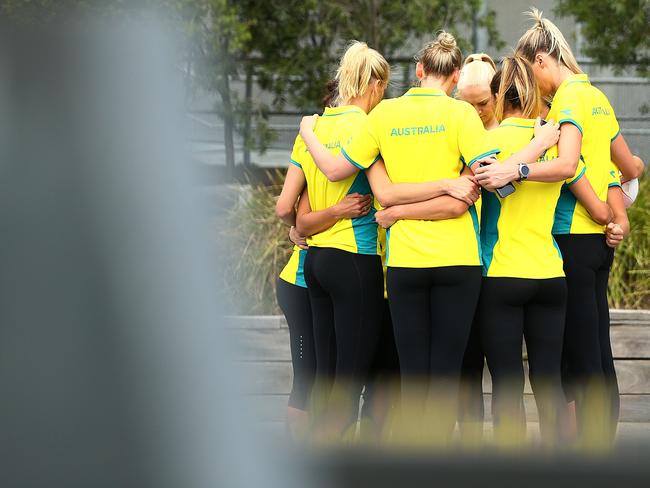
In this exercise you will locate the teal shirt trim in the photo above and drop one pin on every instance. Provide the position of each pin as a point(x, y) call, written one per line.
point(564, 209)
point(387, 244)
point(493, 151)
point(365, 227)
point(341, 113)
point(571, 121)
point(490, 212)
point(300, 272)
point(477, 230)
point(582, 173)
point(296, 163)
point(616, 135)
point(613, 184)
point(557, 248)
point(352, 161)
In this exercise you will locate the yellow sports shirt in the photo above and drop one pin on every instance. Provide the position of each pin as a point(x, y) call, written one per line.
point(516, 230)
point(425, 135)
point(294, 271)
point(579, 103)
point(333, 129)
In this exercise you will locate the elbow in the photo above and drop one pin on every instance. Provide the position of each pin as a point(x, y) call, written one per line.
point(284, 211)
point(603, 216)
point(570, 169)
point(458, 208)
point(385, 198)
point(638, 168)
point(336, 175)
point(300, 227)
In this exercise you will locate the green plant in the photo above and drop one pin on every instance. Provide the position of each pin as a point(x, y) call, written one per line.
point(629, 282)
point(258, 247)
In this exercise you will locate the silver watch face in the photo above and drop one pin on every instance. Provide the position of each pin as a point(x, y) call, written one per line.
point(524, 170)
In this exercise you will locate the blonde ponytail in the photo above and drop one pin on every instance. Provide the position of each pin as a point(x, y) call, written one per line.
point(545, 37)
point(441, 56)
point(359, 66)
point(517, 89)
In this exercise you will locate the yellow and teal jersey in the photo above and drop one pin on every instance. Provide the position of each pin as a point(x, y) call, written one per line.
point(294, 271)
point(382, 252)
point(579, 103)
point(334, 129)
point(425, 135)
point(516, 231)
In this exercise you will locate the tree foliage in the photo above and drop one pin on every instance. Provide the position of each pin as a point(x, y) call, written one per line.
point(617, 31)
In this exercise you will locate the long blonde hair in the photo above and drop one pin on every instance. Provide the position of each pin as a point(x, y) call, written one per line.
point(545, 37)
point(359, 66)
point(477, 70)
point(441, 56)
point(515, 87)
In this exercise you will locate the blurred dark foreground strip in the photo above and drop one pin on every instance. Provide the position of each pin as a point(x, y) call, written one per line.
point(354, 468)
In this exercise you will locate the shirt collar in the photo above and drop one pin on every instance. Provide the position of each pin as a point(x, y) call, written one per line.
point(574, 78)
point(518, 122)
point(343, 109)
point(418, 91)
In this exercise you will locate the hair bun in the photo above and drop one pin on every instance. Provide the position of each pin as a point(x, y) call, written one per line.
point(446, 41)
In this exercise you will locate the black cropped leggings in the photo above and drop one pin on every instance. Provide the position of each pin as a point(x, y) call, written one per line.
point(432, 311)
point(294, 303)
point(509, 310)
point(347, 294)
point(587, 356)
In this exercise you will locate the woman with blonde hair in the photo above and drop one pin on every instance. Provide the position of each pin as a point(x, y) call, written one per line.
point(524, 291)
point(343, 269)
point(589, 130)
point(474, 87)
point(433, 258)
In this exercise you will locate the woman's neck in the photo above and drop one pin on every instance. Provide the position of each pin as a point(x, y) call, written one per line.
point(562, 74)
point(362, 102)
point(493, 123)
point(444, 84)
point(513, 113)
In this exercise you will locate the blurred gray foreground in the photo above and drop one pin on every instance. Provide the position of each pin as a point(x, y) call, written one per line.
point(113, 369)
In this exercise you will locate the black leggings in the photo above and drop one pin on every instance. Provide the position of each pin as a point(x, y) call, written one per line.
point(379, 398)
point(471, 411)
point(587, 356)
point(509, 310)
point(294, 303)
point(346, 292)
point(432, 311)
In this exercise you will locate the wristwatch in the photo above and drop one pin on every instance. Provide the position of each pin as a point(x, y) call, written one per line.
point(523, 171)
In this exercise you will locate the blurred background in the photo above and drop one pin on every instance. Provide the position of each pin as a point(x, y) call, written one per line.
point(142, 147)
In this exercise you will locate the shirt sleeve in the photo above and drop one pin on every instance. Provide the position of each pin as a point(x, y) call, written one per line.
point(580, 172)
point(298, 152)
point(362, 150)
point(569, 109)
point(474, 142)
point(613, 177)
point(615, 130)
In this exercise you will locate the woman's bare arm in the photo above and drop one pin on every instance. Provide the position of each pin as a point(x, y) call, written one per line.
point(294, 183)
point(310, 222)
point(600, 211)
point(631, 166)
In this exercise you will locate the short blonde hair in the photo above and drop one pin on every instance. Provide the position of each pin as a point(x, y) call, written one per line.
point(477, 70)
point(359, 66)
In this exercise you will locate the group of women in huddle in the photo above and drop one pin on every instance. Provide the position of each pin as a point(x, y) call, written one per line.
point(433, 233)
